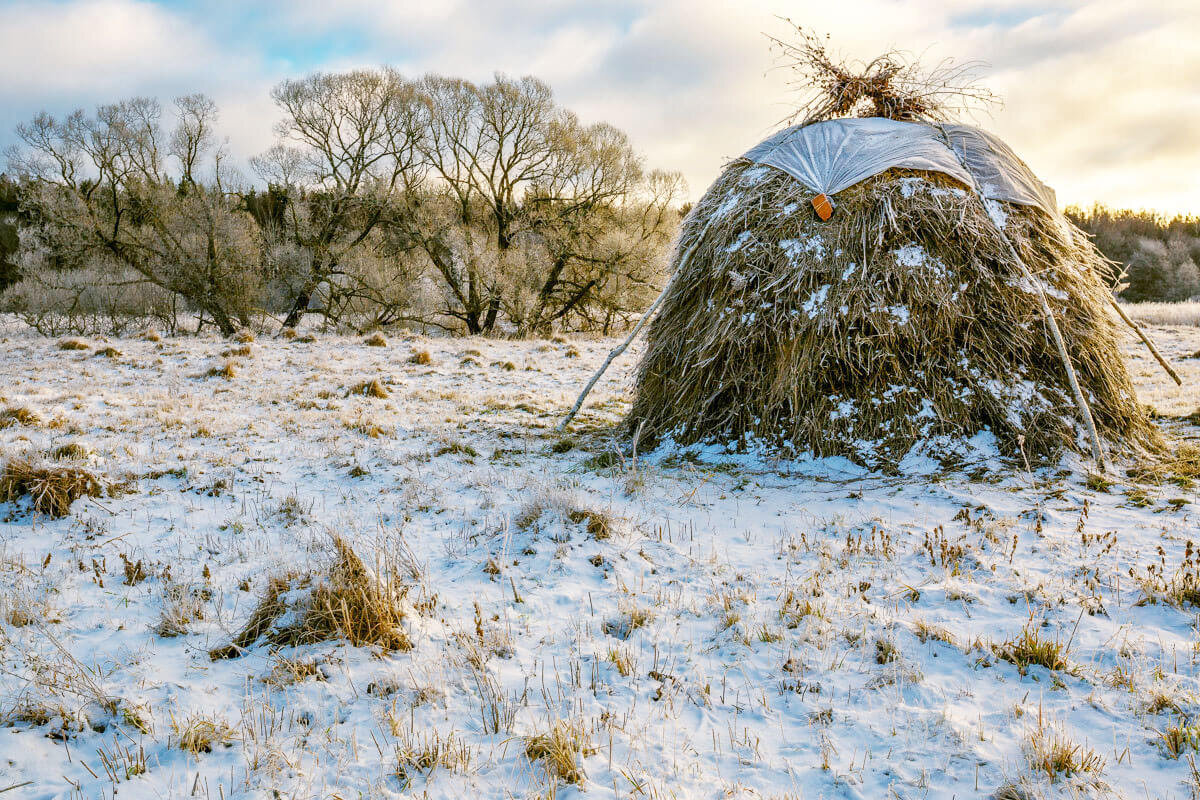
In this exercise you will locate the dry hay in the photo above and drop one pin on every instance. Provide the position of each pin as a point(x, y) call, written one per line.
point(900, 321)
point(19, 416)
point(51, 489)
point(371, 388)
point(348, 602)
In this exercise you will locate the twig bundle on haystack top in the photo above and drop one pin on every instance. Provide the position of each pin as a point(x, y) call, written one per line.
point(945, 304)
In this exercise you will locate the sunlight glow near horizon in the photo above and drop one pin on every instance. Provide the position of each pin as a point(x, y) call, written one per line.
point(1101, 98)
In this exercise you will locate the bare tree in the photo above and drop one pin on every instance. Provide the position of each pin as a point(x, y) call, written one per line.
point(348, 142)
point(193, 136)
point(100, 192)
point(605, 223)
point(486, 146)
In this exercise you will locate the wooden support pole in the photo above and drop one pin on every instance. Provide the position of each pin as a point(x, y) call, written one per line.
point(562, 426)
point(1081, 404)
point(1146, 341)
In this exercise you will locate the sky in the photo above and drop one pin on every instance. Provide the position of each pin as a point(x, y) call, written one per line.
point(1101, 98)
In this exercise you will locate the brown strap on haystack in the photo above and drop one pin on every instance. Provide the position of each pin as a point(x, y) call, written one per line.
point(823, 206)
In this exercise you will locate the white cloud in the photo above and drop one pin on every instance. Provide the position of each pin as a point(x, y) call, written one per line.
point(1100, 97)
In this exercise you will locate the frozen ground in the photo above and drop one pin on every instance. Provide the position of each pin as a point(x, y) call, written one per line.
point(693, 625)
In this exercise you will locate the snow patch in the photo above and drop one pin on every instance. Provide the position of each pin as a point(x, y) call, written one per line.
point(739, 242)
point(814, 302)
point(996, 210)
point(796, 249)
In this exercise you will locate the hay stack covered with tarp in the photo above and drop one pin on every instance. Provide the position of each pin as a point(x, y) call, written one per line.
point(911, 321)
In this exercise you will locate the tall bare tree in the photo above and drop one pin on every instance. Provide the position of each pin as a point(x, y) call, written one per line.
point(348, 142)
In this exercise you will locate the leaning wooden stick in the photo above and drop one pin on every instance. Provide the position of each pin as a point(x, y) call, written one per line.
point(611, 356)
point(632, 334)
point(1146, 341)
point(1081, 404)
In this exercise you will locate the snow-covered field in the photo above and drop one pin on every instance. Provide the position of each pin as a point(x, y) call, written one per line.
point(679, 625)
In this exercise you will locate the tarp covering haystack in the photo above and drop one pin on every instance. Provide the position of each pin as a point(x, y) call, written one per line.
point(878, 286)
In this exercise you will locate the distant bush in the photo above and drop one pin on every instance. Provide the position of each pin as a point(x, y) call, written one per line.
point(9, 240)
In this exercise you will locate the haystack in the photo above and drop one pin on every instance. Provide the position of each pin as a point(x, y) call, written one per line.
point(877, 282)
point(904, 323)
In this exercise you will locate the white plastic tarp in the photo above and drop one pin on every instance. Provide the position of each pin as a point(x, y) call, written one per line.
point(828, 157)
point(997, 170)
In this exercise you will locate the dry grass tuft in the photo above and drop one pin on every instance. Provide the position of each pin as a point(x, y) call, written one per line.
point(371, 388)
point(901, 322)
point(599, 525)
point(421, 754)
point(74, 344)
point(421, 357)
point(629, 620)
point(244, 351)
point(71, 451)
point(456, 449)
point(562, 506)
point(376, 340)
point(182, 604)
point(622, 660)
point(367, 427)
point(19, 416)
point(52, 489)
point(1181, 588)
point(289, 671)
point(152, 336)
point(245, 337)
point(1050, 751)
point(1179, 466)
point(1029, 647)
point(1179, 738)
point(348, 602)
point(198, 733)
point(228, 370)
point(559, 750)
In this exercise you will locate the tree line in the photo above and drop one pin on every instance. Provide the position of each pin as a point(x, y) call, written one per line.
point(1155, 257)
point(481, 208)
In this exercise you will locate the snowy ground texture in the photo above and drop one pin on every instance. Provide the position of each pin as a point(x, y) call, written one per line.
point(683, 625)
